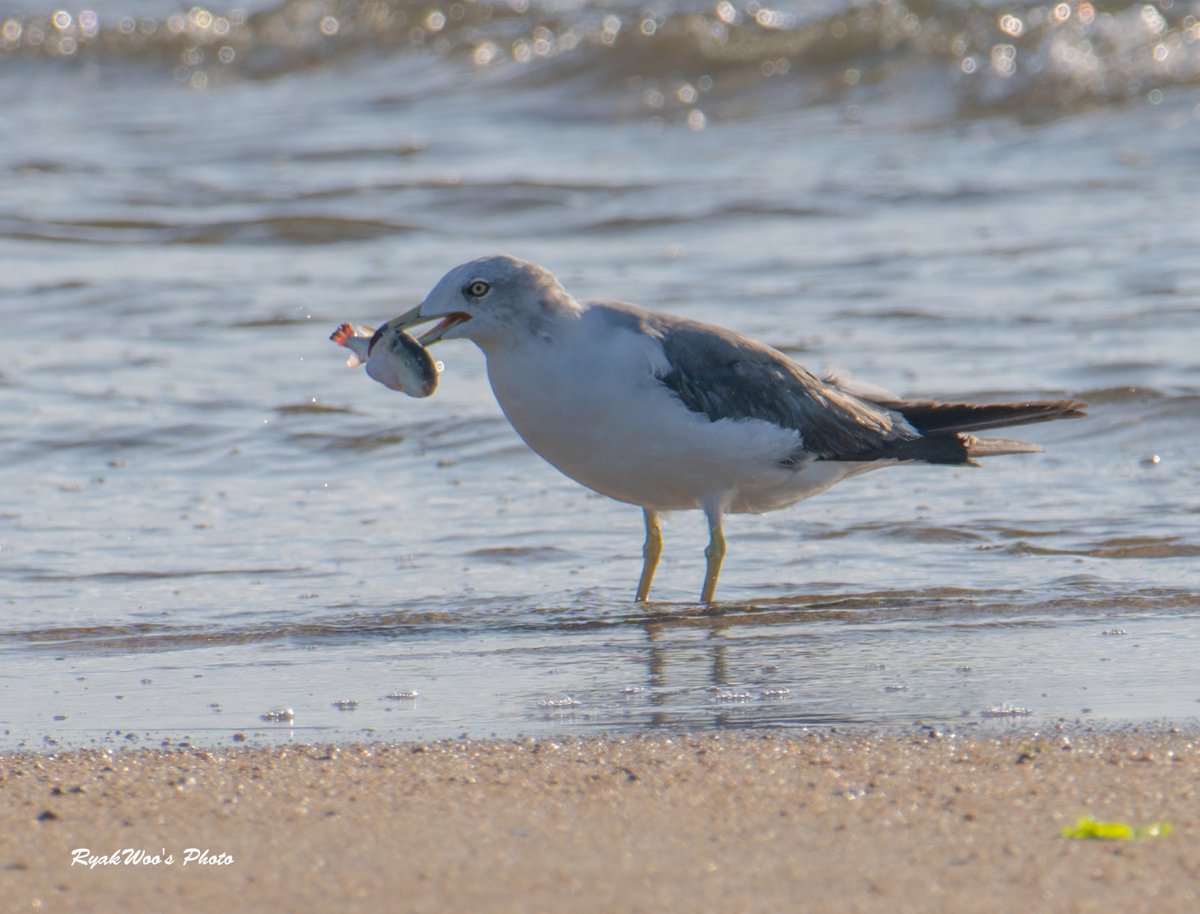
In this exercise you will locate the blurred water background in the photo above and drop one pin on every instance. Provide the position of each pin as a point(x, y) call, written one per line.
point(205, 516)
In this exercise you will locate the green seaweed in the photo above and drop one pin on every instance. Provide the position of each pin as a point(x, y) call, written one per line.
point(1087, 827)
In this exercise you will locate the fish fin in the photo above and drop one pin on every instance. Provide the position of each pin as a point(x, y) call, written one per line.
point(346, 332)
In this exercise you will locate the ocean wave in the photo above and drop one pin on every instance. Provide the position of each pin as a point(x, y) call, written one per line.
point(1032, 58)
point(295, 229)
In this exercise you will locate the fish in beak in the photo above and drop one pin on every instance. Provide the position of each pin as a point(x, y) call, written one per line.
point(447, 323)
point(391, 357)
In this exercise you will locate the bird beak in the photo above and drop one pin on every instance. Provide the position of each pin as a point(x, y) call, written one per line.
point(431, 336)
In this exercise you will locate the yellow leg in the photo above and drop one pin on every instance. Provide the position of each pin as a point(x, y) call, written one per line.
point(715, 554)
point(650, 553)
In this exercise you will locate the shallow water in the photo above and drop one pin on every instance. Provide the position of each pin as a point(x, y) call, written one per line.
point(204, 516)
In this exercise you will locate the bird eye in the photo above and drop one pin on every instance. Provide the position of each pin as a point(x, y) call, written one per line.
point(477, 288)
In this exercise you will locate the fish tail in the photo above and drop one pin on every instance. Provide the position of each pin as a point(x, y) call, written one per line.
point(345, 335)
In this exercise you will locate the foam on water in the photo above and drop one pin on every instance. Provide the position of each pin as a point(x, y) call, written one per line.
point(1028, 58)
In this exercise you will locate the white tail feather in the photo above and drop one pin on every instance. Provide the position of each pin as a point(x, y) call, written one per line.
point(996, 447)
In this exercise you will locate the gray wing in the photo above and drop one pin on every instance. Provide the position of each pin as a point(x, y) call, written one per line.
point(728, 376)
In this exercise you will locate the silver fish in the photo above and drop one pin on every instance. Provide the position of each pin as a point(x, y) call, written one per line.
point(392, 357)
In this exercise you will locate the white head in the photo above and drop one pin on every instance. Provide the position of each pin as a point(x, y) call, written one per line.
point(493, 301)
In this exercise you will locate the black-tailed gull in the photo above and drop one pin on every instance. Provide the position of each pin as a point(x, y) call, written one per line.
point(670, 414)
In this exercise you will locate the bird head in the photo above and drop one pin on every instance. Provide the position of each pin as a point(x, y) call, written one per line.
point(492, 301)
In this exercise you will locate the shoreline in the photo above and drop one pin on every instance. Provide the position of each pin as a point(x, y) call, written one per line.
point(728, 821)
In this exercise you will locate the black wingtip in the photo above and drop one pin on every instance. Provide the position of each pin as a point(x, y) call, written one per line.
point(929, 416)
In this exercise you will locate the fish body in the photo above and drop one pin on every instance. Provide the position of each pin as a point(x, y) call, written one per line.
point(392, 357)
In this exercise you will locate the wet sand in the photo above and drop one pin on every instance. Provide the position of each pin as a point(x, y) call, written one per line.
point(916, 822)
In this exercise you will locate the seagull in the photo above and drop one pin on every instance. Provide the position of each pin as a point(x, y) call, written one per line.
point(673, 414)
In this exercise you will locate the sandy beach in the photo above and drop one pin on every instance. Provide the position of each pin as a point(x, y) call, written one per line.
point(916, 822)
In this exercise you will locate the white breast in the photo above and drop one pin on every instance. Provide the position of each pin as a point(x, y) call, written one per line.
point(595, 409)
